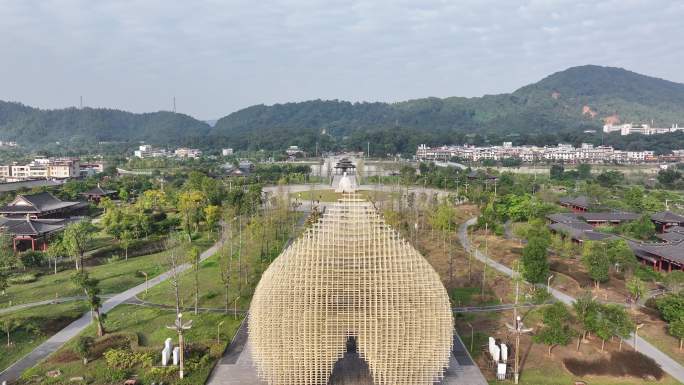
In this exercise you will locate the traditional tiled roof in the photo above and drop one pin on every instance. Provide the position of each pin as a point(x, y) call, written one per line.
point(580, 231)
point(31, 226)
point(667, 217)
point(673, 251)
point(580, 201)
point(98, 191)
point(35, 204)
point(608, 216)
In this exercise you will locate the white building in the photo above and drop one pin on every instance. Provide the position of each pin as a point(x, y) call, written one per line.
point(586, 153)
point(183, 152)
point(147, 151)
point(227, 152)
point(644, 129)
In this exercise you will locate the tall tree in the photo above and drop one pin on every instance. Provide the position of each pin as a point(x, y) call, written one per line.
point(676, 329)
point(90, 287)
point(194, 259)
point(636, 288)
point(535, 265)
point(586, 309)
point(76, 238)
point(9, 325)
point(556, 329)
point(596, 261)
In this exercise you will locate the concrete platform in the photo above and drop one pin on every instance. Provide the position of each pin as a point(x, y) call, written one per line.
point(237, 368)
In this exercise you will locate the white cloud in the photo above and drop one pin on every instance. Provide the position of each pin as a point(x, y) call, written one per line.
point(218, 56)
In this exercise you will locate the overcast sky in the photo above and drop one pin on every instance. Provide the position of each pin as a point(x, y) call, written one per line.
point(220, 56)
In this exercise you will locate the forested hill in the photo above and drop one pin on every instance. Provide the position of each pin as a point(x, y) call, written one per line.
point(558, 108)
point(567, 103)
point(35, 127)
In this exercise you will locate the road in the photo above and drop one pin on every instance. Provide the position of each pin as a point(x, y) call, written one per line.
point(672, 367)
point(70, 331)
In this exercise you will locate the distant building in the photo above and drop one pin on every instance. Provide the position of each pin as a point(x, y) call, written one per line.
point(41, 168)
point(643, 129)
point(187, 153)
point(227, 152)
point(586, 153)
point(147, 151)
point(96, 194)
point(294, 151)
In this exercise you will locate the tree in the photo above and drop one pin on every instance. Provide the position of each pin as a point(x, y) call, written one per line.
point(76, 238)
point(535, 265)
point(621, 325)
point(643, 228)
point(668, 177)
point(585, 308)
point(676, 329)
point(556, 171)
point(56, 250)
point(225, 273)
point(636, 288)
point(194, 260)
point(621, 255)
point(211, 216)
point(584, 171)
point(596, 262)
point(9, 325)
point(675, 281)
point(189, 205)
point(90, 287)
point(83, 346)
point(556, 329)
point(125, 241)
point(610, 178)
point(671, 307)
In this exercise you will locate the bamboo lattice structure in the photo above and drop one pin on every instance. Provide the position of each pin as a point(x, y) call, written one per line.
point(351, 275)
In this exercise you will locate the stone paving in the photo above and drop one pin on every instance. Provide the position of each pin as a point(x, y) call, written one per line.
point(237, 368)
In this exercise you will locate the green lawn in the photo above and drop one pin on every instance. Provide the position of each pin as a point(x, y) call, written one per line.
point(211, 289)
point(554, 375)
point(329, 195)
point(114, 277)
point(146, 327)
point(47, 320)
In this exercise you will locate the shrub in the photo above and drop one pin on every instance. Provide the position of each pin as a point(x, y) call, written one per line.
point(32, 259)
point(24, 278)
point(126, 359)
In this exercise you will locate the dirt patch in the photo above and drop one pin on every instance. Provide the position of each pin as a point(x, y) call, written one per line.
point(626, 363)
point(53, 325)
point(582, 278)
point(111, 341)
point(63, 356)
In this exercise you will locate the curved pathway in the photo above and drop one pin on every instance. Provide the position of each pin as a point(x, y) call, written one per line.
point(672, 367)
point(53, 343)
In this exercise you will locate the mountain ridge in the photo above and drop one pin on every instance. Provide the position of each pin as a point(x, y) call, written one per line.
point(572, 101)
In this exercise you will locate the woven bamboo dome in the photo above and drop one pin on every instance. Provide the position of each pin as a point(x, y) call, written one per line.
point(350, 275)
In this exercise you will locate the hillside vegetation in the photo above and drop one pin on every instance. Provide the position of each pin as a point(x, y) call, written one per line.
point(557, 108)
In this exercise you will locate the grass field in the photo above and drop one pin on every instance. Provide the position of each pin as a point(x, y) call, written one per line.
point(551, 375)
point(114, 277)
point(329, 195)
point(46, 319)
point(146, 327)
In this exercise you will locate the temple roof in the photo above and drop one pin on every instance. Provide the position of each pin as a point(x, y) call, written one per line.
point(35, 204)
point(31, 226)
point(98, 191)
point(667, 217)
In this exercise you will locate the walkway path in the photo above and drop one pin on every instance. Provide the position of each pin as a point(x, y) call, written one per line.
point(672, 367)
point(56, 341)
